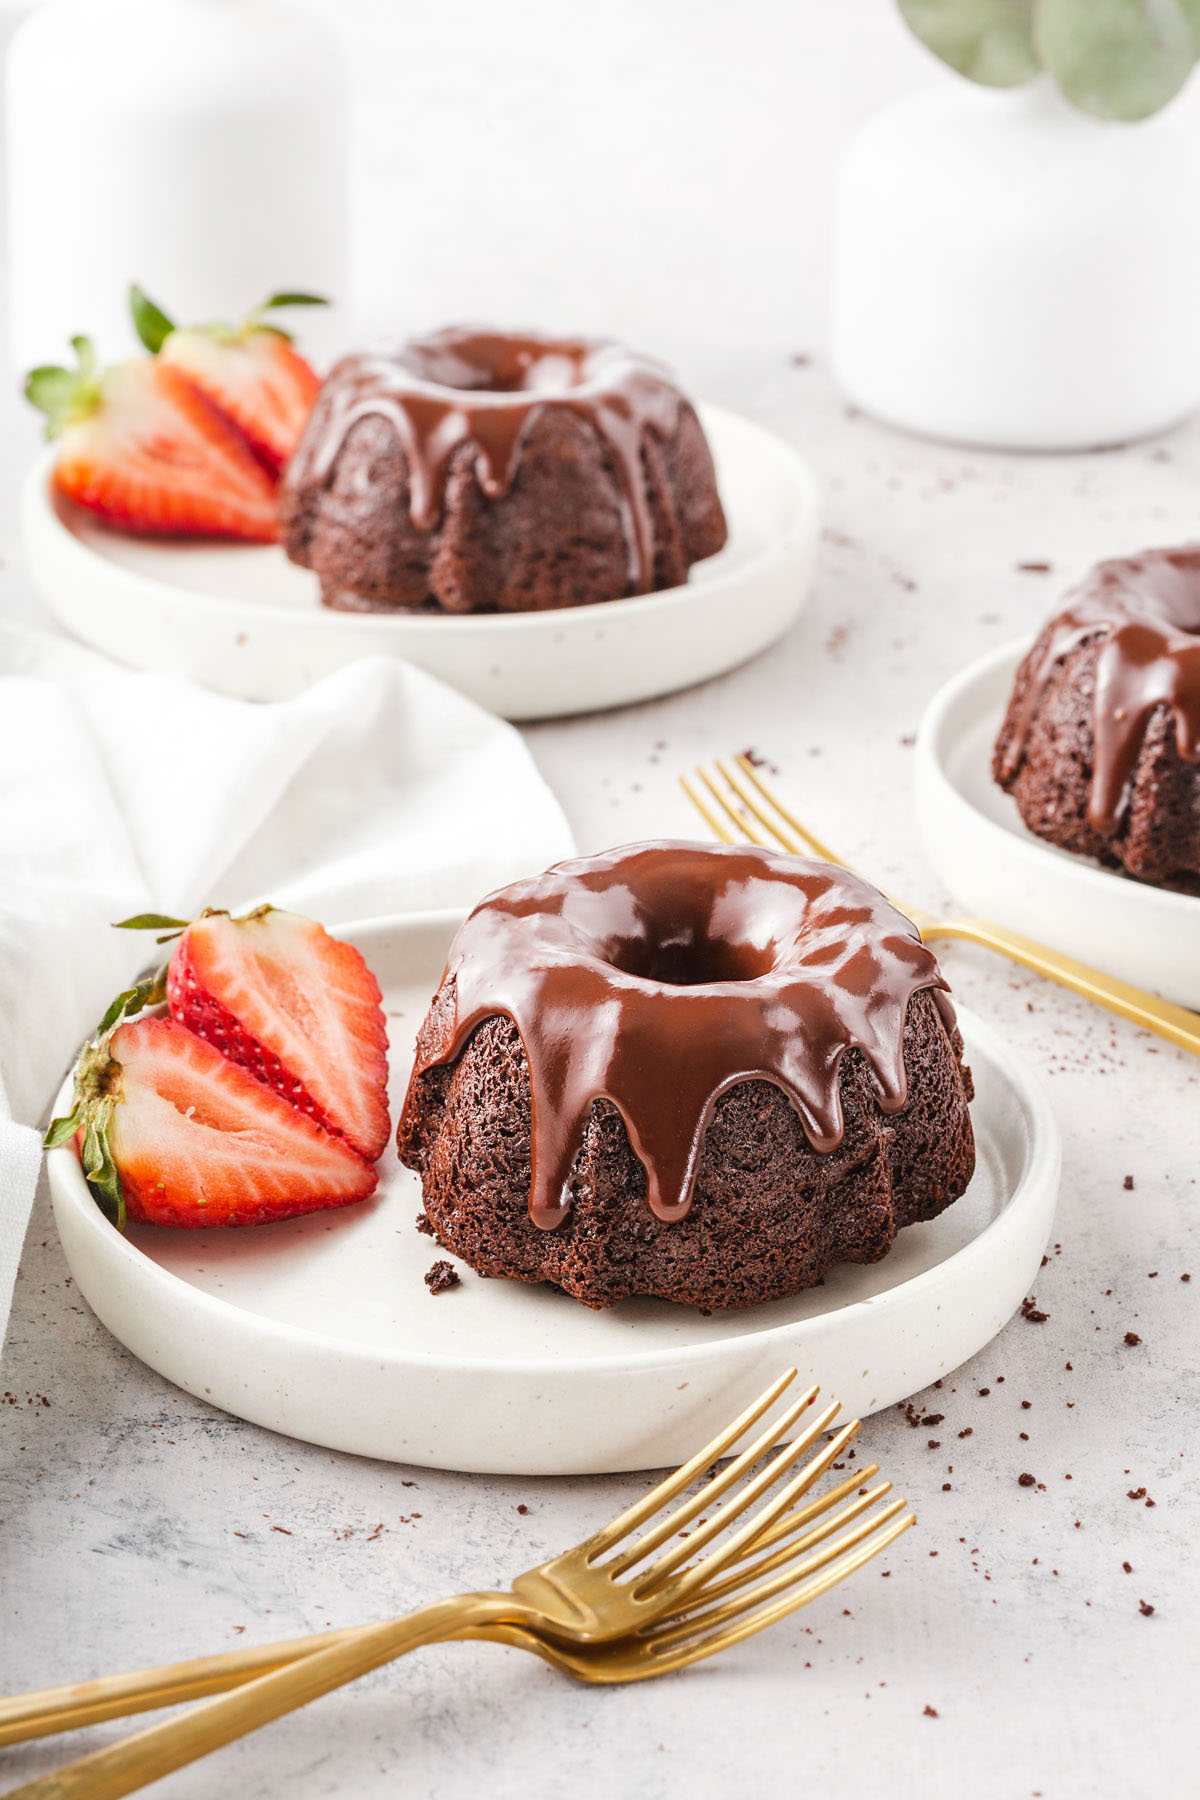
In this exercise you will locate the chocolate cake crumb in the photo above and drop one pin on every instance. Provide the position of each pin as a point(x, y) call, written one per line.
point(522, 1509)
point(1128, 1568)
point(1132, 1338)
point(425, 1225)
point(931, 1712)
point(1027, 1480)
point(967, 1431)
point(1129, 1184)
point(442, 1277)
point(1030, 1312)
point(1136, 1494)
point(945, 1487)
point(1145, 1608)
point(1035, 568)
point(757, 760)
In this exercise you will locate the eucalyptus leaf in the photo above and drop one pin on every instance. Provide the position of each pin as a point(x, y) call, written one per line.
point(988, 41)
point(1117, 59)
point(1191, 12)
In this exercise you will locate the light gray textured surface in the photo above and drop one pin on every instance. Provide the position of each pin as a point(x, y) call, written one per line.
point(138, 1525)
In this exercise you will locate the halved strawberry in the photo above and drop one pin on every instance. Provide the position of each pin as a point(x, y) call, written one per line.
point(298, 1008)
point(145, 451)
point(171, 1133)
point(251, 371)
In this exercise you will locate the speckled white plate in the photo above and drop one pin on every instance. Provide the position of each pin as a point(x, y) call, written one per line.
point(244, 620)
point(998, 870)
point(323, 1327)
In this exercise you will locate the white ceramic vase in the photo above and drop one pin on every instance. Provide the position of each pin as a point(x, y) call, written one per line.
point(195, 146)
point(1009, 272)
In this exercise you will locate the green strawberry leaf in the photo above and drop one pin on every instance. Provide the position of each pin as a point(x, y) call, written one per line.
point(152, 991)
point(151, 922)
point(149, 321)
point(65, 395)
point(989, 41)
point(298, 299)
point(85, 352)
point(62, 1130)
point(99, 1167)
point(1118, 59)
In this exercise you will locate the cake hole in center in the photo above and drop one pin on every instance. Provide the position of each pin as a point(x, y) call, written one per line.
point(689, 962)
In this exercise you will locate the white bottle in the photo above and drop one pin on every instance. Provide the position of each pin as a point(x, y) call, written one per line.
point(1012, 273)
point(197, 147)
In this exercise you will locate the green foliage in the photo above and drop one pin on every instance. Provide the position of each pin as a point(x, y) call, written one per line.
point(65, 395)
point(989, 41)
point(1115, 59)
point(149, 321)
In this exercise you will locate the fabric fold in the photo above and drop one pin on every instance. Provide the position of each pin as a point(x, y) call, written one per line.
point(377, 791)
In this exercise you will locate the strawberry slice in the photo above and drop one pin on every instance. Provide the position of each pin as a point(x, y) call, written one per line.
point(171, 1133)
point(298, 1008)
point(252, 372)
point(142, 449)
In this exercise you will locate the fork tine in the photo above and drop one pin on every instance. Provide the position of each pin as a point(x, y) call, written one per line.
point(751, 804)
point(733, 1508)
point(643, 1509)
point(744, 827)
point(721, 1483)
point(806, 836)
point(716, 825)
point(795, 1567)
point(793, 1521)
point(662, 1662)
point(743, 1541)
point(758, 1565)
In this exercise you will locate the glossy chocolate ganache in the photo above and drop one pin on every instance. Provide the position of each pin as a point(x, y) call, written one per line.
point(484, 389)
point(1143, 614)
point(659, 977)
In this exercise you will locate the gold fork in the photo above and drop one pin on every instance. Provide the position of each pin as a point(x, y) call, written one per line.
point(754, 808)
point(583, 1611)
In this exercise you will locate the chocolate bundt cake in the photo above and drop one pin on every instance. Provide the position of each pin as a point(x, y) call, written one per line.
point(705, 1074)
point(476, 472)
point(1100, 746)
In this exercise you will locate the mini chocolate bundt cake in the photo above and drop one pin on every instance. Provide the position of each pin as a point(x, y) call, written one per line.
point(1100, 746)
point(476, 472)
point(706, 1074)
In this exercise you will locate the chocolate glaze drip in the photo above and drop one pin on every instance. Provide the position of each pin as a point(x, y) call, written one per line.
point(485, 389)
point(660, 975)
point(1146, 609)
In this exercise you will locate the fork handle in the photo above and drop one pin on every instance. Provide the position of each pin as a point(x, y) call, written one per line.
point(1175, 1023)
point(81, 1703)
point(148, 1755)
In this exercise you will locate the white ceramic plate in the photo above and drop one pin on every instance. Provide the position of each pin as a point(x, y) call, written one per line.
point(243, 620)
point(998, 870)
point(323, 1328)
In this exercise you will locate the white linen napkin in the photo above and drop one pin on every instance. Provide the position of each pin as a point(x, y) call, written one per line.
point(379, 790)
